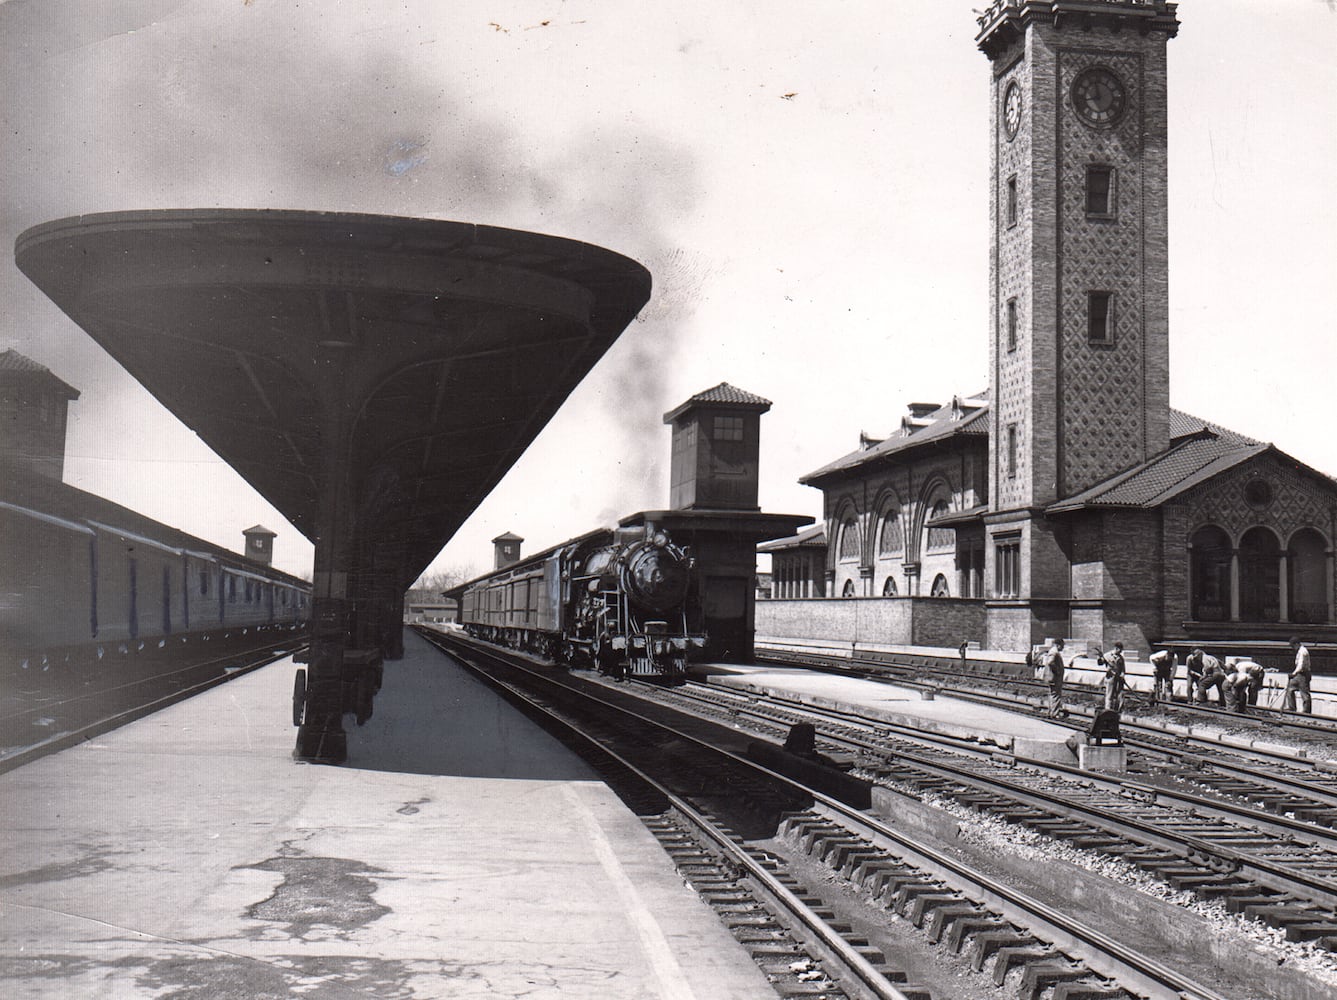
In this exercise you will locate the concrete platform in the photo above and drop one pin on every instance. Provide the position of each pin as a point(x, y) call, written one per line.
point(461, 853)
point(1025, 736)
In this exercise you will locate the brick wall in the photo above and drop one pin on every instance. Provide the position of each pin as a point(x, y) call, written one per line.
point(954, 473)
point(890, 621)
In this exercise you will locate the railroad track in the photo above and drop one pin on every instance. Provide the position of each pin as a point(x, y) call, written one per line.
point(54, 723)
point(949, 682)
point(1279, 870)
point(776, 829)
point(1290, 782)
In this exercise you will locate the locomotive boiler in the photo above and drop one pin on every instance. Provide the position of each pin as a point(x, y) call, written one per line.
point(622, 600)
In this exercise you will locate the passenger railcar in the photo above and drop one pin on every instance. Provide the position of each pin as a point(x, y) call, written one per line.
point(624, 600)
point(70, 579)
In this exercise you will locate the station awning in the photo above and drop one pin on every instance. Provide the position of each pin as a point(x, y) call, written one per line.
point(408, 362)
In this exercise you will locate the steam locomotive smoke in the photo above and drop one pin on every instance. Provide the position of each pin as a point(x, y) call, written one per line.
point(286, 106)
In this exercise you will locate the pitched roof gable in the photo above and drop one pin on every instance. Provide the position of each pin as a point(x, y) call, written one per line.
point(962, 416)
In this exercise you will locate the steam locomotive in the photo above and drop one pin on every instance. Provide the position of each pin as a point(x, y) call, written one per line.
point(623, 600)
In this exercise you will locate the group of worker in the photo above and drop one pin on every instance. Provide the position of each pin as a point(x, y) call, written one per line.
point(1237, 682)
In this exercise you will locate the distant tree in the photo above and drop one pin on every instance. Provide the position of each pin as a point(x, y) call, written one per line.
point(428, 587)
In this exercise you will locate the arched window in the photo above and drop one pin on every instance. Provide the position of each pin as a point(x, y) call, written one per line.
point(1260, 576)
point(1209, 569)
point(1307, 586)
point(849, 540)
point(848, 589)
point(939, 588)
point(889, 588)
point(890, 541)
point(940, 538)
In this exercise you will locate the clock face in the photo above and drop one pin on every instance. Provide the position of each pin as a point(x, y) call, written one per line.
point(1099, 97)
point(1012, 110)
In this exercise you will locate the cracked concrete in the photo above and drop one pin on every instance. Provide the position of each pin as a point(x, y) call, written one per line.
point(187, 857)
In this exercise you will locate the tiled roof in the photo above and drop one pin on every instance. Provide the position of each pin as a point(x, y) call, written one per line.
point(814, 537)
point(962, 416)
point(1186, 424)
point(726, 393)
point(1198, 451)
point(723, 394)
point(12, 361)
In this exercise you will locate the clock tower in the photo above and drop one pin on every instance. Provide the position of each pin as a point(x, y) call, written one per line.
point(1079, 352)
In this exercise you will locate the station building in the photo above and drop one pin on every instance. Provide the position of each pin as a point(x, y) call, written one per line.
point(1070, 499)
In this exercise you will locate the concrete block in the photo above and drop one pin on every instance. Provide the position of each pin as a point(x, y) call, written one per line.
point(1056, 751)
point(907, 813)
point(1091, 757)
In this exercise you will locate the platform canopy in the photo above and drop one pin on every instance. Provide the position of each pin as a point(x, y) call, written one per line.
point(406, 362)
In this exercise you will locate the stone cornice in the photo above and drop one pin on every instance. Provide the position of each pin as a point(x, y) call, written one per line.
point(1004, 21)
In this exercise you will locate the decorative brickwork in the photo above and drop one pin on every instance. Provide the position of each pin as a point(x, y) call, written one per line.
point(1013, 279)
point(1102, 399)
point(1297, 502)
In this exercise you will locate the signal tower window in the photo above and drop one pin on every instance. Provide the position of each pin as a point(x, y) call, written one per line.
point(1100, 317)
point(728, 429)
point(1100, 191)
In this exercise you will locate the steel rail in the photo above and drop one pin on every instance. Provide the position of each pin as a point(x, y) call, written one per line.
point(72, 737)
point(126, 685)
point(870, 669)
point(1270, 756)
point(1102, 952)
point(864, 973)
point(1283, 826)
point(1213, 855)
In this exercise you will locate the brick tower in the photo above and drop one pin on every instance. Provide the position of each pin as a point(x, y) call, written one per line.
point(1079, 351)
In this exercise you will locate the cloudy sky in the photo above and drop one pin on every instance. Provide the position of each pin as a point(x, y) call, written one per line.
point(807, 182)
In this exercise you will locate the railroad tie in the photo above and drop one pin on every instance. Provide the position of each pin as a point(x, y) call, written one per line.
point(903, 899)
point(1040, 976)
point(986, 943)
point(1088, 991)
point(1238, 904)
point(942, 917)
point(1010, 957)
point(922, 906)
point(961, 931)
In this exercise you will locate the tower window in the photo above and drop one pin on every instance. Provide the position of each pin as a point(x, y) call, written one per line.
point(728, 429)
point(1012, 451)
point(1012, 200)
point(1012, 324)
point(1100, 317)
point(1099, 190)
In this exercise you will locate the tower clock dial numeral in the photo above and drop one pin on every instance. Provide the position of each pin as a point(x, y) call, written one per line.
point(1012, 110)
point(1099, 97)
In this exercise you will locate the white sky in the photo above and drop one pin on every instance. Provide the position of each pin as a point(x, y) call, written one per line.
point(806, 181)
